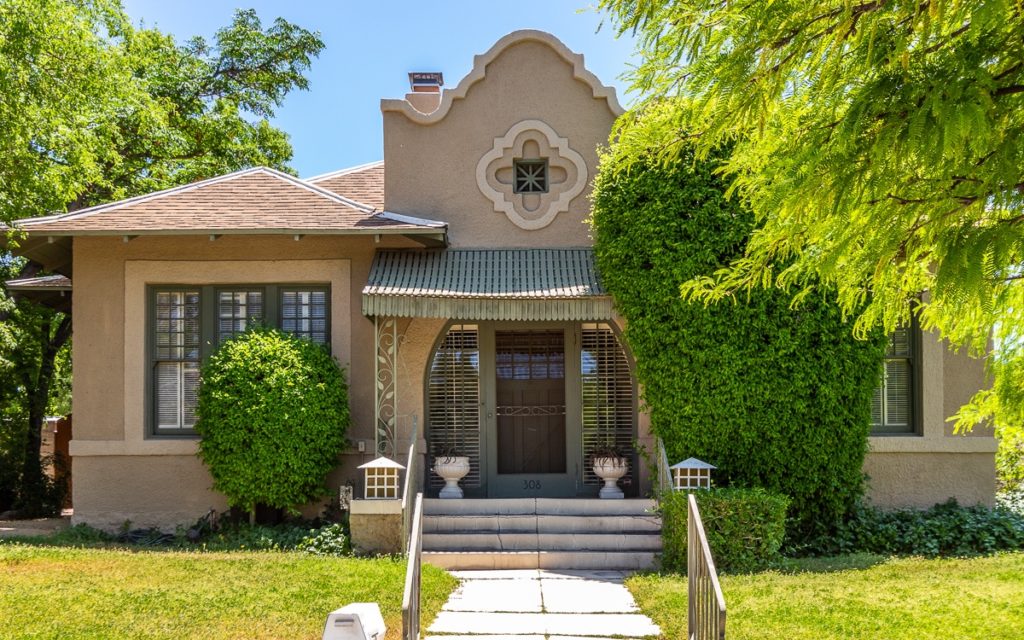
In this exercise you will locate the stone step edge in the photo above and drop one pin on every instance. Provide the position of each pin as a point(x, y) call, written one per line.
point(617, 532)
point(575, 560)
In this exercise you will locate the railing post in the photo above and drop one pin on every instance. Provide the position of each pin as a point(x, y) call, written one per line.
point(411, 594)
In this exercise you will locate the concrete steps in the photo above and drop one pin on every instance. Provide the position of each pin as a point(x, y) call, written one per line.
point(540, 533)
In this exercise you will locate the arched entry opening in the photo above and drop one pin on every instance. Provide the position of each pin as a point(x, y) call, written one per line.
point(528, 403)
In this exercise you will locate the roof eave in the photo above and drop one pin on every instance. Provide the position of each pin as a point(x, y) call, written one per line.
point(366, 231)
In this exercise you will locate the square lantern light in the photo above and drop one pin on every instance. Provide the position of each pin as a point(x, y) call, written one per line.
point(691, 474)
point(380, 479)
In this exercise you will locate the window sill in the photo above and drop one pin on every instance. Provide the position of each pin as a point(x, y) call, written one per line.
point(179, 446)
point(897, 443)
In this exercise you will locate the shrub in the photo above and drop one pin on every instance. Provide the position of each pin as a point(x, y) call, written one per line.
point(774, 395)
point(1012, 500)
point(246, 537)
point(946, 529)
point(272, 413)
point(330, 540)
point(745, 527)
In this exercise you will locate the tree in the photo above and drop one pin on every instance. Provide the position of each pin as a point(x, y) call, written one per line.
point(774, 396)
point(879, 145)
point(272, 413)
point(96, 110)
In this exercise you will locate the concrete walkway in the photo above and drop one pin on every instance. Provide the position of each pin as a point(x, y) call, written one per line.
point(36, 527)
point(533, 604)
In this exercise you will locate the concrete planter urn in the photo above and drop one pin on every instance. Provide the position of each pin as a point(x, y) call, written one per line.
point(610, 470)
point(452, 469)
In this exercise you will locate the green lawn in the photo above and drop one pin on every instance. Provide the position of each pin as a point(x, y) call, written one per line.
point(54, 592)
point(857, 597)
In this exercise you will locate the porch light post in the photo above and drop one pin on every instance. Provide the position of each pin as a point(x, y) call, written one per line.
point(691, 474)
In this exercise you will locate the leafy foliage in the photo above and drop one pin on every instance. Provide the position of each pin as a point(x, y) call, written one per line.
point(745, 527)
point(272, 413)
point(879, 145)
point(93, 110)
point(774, 396)
point(148, 112)
point(330, 540)
point(944, 530)
point(1012, 500)
point(32, 342)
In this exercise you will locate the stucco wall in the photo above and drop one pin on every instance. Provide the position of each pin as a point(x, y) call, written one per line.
point(111, 446)
point(432, 165)
point(934, 465)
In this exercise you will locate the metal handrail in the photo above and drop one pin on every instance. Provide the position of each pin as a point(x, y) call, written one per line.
point(706, 604)
point(664, 472)
point(410, 473)
point(411, 593)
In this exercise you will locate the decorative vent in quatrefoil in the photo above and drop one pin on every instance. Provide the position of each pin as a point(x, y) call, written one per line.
point(531, 174)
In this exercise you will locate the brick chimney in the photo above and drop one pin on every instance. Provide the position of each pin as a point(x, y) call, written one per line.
point(425, 90)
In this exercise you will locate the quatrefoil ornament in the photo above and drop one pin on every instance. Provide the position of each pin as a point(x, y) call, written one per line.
point(531, 174)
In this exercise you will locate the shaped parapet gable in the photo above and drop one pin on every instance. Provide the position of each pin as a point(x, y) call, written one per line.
point(507, 156)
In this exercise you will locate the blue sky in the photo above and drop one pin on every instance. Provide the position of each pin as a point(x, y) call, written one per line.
point(370, 46)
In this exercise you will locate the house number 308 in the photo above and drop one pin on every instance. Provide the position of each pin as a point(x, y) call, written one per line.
point(531, 484)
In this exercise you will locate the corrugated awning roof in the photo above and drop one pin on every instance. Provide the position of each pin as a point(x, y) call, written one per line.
point(487, 284)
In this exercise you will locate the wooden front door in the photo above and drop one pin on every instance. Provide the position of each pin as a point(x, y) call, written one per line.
point(531, 446)
point(530, 409)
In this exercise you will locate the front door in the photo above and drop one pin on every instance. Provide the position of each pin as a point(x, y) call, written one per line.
point(531, 449)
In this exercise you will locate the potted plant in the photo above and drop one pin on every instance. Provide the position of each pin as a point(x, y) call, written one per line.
point(610, 465)
point(452, 467)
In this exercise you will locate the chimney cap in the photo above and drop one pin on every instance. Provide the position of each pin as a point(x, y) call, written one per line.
point(430, 81)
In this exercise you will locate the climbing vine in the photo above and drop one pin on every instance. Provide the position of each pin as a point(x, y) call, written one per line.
point(776, 395)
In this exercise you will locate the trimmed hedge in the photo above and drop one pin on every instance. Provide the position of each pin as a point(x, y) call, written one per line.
point(273, 412)
point(745, 527)
point(946, 529)
point(774, 396)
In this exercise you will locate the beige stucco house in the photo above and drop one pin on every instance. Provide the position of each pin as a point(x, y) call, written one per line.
point(455, 282)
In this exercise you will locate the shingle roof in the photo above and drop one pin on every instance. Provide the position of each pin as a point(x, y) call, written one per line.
point(48, 283)
point(364, 183)
point(51, 291)
point(258, 200)
point(487, 284)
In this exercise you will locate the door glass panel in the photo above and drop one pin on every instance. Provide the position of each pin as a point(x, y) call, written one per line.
point(530, 389)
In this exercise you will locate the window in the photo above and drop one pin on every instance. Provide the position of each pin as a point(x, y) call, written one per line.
point(185, 324)
point(893, 406)
point(237, 310)
point(531, 176)
point(304, 313)
point(176, 355)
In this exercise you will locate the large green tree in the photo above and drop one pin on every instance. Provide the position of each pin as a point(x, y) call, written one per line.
point(94, 110)
point(878, 143)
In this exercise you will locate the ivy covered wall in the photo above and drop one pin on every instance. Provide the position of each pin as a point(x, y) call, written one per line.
point(774, 396)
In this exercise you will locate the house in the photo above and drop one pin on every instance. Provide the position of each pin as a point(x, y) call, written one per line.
point(455, 282)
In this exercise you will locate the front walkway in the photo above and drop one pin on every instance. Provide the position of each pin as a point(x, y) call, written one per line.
point(33, 528)
point(533, 604)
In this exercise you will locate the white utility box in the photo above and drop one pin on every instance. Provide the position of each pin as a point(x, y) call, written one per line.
point(357, 621)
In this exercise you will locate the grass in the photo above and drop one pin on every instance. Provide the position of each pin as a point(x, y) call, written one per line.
point(59, 592)
point(857, 597)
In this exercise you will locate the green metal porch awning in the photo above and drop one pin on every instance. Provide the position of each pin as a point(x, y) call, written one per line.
point(486, 284)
